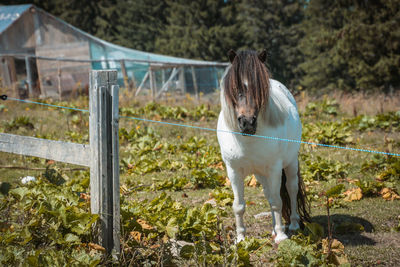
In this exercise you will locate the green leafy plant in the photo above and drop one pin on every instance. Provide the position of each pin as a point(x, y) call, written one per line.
point(19, 122)
point(330, 133)
point(206, 178)
point(324, 107)
point(43, 223)
point(322, 169)
point(178, 113)
point(77, 137)
point(389, 121)
point(224, 197)
point(386, 168)
point(174, 184)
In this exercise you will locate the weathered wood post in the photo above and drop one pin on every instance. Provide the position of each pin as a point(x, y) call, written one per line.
point(125, 75)
point(104, 167)
point(196, 89)
point(59, 80)
point(29, 75)
point(153, 86)
point(182, 79)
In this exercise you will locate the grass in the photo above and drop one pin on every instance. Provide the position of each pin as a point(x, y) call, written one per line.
point(377, 245)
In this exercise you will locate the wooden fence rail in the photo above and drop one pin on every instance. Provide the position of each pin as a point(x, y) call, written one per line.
point(101, 155)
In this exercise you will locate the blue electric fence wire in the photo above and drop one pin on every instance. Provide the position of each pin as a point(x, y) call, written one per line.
point(45, 104)
point(265, 137)
point(4, 97)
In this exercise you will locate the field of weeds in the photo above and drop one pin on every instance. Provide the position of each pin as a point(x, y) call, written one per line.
point(175, 197)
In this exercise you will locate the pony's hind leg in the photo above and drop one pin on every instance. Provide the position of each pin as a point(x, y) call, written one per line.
point(271, 186)
point(292, 186)
point(239, 205)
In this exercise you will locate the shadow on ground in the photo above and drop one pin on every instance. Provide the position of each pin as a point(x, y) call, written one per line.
point(347, 229)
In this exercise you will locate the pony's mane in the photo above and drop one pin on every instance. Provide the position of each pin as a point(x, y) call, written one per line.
point(248, 67)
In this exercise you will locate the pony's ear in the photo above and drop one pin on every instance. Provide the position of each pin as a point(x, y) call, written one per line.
point(231, 55)
point(263, 56)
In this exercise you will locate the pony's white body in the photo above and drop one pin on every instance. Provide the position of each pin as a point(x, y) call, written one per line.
point(265, 158)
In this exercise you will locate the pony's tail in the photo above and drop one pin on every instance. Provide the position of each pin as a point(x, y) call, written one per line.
point(303, 206)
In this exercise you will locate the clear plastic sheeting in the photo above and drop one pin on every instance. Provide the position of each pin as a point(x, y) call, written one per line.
point(41, 55)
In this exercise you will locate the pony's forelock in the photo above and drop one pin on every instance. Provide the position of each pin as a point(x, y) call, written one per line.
point(247, 66)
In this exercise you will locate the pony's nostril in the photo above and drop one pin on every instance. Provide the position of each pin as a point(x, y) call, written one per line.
point(253, 120)
point(242, 121)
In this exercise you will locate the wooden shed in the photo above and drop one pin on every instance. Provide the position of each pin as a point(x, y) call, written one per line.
point(43, 56)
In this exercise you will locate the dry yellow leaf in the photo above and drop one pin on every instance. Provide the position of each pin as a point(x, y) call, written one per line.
point(353, 194)
point(337, 251)
point(96, 247)
point(136, 235)
point(84, 196)
point(165, 239)
point(158, 147)
point(123, 189)
point(227, 182)
point(389, 194)
point(252, 182)
point(156, 117)
point(188, 186)
point(336, 246)
point(144, 224)
point(351, 181)
point(218, 166)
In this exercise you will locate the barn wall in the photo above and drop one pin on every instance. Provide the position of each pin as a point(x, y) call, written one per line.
point(60, 41)
point(19, 37)
point(65, 75)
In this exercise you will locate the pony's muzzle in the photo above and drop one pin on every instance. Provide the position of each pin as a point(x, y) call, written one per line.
point(247, 125)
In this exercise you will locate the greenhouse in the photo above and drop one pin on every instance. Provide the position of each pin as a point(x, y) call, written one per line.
point(43, 56)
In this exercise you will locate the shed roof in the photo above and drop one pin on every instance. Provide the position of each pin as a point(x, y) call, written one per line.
point(9, 14)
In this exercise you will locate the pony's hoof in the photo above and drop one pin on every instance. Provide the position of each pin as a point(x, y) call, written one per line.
point(280, 237)
point(239, 239)
point(293, 227)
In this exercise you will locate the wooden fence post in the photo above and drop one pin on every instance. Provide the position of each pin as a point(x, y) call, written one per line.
point(104, 168)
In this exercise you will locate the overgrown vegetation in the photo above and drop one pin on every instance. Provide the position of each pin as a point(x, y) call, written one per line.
point(43, 223)
point(176, 200)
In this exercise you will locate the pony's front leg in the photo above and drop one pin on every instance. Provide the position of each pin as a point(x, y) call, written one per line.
point(272, 188)
point(239, 205)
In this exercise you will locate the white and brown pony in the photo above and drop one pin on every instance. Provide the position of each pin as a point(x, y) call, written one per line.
point(254, 104)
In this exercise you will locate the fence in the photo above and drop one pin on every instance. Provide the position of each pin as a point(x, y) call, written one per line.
point(101, 155)
point(37, 76)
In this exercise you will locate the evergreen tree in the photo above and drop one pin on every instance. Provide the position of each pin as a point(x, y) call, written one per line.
point(351, 45)
point(140, 22)
point(193, 29)
point(273, 25)
point(107, 19)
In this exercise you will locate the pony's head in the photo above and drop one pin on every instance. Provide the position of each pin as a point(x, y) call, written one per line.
point(246, 88)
